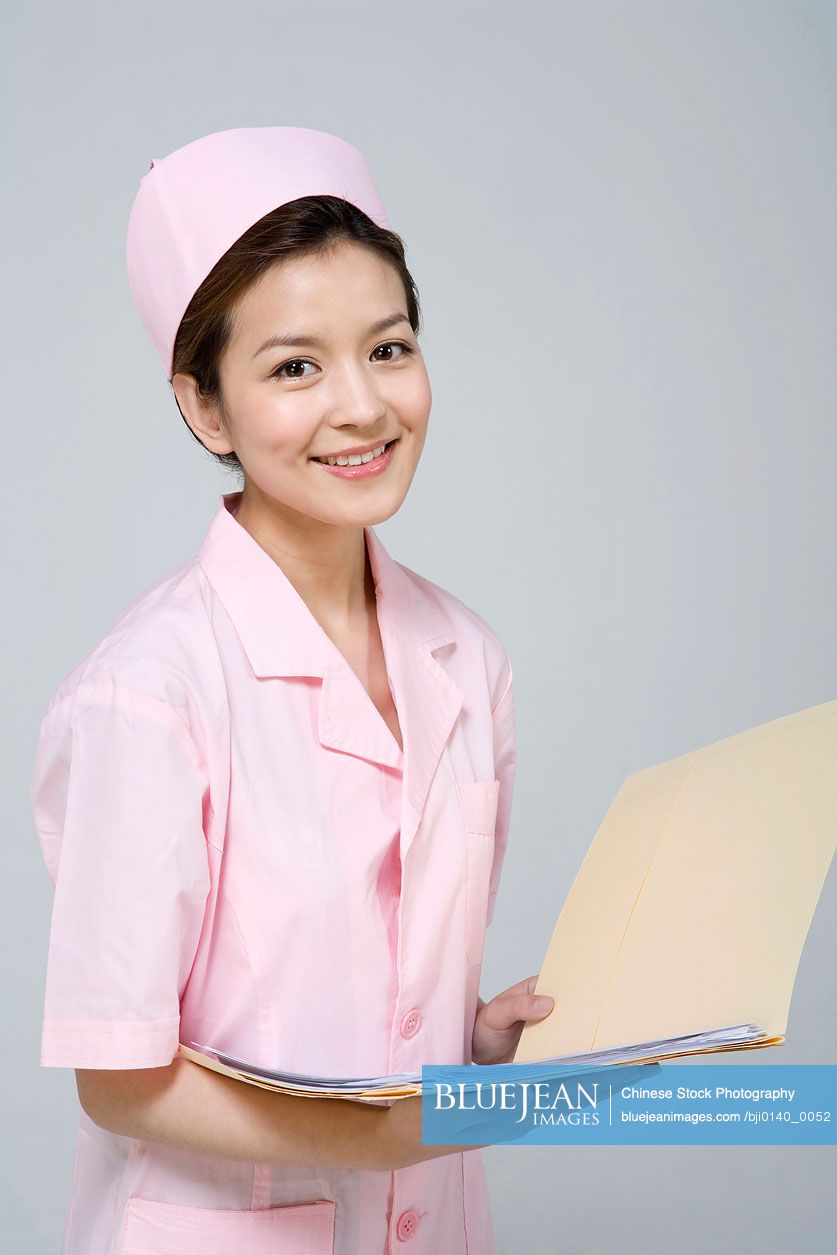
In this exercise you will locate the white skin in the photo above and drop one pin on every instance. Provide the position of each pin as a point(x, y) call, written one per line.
point(354, 388)
point(357, 386)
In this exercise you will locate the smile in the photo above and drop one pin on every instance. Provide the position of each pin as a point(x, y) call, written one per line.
point(355, 459)
point(360, 465)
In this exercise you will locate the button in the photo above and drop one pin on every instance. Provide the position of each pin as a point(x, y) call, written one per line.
point(407, 1225)
point(410, 1023)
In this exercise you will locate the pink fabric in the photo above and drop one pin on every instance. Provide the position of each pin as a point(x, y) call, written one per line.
point(195, 203)
point(242, 856)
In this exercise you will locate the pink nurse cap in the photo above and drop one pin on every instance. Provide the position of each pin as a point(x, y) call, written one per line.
point(194, 204)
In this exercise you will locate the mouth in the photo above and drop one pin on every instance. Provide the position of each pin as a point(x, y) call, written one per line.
point(360, 466)
point(359, 459)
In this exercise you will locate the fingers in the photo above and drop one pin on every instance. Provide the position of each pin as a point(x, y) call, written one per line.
point(525, 986)
point(510, 1008)
point(525, 1007)
point(519, 1002)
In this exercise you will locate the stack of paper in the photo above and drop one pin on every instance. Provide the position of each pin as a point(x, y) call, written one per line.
point(409, 1084)
point(690, 910)
point(358, 1088)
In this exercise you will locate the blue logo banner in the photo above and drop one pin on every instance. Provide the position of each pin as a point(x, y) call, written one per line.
point(697, 1104)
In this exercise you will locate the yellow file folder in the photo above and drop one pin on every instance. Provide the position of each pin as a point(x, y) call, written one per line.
point(692, 905)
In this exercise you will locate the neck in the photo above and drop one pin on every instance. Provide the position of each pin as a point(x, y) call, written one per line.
point(327, 565)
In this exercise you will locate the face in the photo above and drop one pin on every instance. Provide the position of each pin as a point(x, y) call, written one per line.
point(337, 381)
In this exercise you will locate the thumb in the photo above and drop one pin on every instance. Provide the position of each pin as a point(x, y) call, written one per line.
point(525, 1006)
point(541, 1004)
point(519, 1003)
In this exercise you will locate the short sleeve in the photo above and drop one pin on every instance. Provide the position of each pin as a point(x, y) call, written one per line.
point(117, 796)
point(505, 760)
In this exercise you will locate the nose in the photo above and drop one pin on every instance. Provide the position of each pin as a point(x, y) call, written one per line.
point(357, 401)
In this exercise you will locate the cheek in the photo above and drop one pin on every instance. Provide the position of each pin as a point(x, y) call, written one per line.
point(415, 399)
point(278, 430)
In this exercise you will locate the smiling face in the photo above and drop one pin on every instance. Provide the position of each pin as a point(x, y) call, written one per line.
point(348, 374)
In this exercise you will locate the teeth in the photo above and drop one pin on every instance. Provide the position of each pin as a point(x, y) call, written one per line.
point(356, 460)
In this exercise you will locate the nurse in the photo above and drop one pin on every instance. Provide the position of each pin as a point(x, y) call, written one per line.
point(274, 800)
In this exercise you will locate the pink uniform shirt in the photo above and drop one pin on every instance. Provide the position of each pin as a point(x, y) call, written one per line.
point(242, 856)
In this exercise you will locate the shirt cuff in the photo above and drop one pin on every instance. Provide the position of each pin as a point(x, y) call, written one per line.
point(109, 1043)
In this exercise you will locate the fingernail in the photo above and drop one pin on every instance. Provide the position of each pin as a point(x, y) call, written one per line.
point(543, 1003)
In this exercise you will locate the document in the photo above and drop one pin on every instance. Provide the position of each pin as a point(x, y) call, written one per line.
point(693, 902)
point(358, 1088)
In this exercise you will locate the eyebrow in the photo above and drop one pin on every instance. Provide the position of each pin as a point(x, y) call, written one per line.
point(293, 340)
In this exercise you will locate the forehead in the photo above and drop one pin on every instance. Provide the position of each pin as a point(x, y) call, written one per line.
point(310, 292)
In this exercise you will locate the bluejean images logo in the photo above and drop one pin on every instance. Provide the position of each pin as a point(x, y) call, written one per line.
point(558, 1102)
point(695, 1103)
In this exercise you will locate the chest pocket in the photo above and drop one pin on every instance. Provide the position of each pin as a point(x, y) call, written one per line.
point(478, 803)
point(158, 1228)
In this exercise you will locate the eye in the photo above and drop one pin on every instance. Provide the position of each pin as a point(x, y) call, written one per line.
point(279, 373)
point(297, 361)
point(393, 344)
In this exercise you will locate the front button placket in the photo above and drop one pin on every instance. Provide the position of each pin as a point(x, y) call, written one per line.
point(428, 703)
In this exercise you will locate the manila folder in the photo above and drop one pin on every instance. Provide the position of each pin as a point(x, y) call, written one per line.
point(693, 902)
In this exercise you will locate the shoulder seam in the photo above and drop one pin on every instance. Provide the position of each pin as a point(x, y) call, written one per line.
point(90, 691)
point(506, 689)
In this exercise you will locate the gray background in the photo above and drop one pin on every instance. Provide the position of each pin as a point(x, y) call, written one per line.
point(621, 220)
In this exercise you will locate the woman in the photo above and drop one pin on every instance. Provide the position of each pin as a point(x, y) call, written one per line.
point(274, 799)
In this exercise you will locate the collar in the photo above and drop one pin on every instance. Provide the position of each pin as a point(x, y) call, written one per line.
point(281, 637)
point(279, 633)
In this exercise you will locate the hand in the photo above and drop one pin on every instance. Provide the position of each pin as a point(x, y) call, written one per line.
point(499, 1023)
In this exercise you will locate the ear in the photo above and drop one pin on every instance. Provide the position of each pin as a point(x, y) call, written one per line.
point(204, 417)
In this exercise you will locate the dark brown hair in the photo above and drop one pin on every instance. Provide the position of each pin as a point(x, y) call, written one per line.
point(308, 225)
